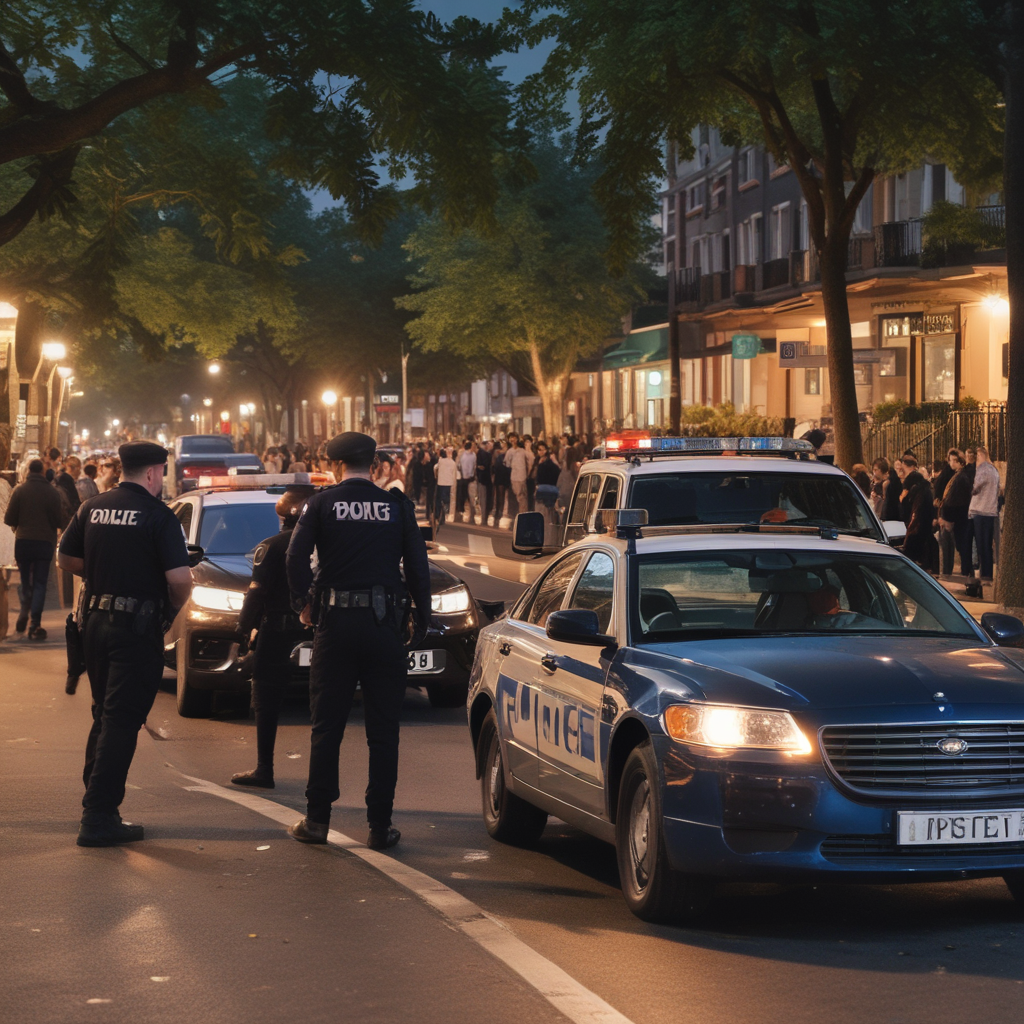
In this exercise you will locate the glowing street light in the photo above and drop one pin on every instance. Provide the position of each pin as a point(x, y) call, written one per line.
point(54, 350)
point(207, 402)
point(106, 433)
point(329, 398)
point(64, 372)
point(214, 368)
point(115, 423)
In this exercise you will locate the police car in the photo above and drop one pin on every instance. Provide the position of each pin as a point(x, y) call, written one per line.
point(691, 480)
point(752, 701)
point(227, 517)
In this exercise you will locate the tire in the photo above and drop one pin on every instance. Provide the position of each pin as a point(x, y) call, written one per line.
point(447, 695)
point(507, 817)
point(192, 703)
point(652, 889)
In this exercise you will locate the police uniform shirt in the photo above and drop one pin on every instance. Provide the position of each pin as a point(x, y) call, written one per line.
point(128, 540)
point(268, 592)
point(361, 534)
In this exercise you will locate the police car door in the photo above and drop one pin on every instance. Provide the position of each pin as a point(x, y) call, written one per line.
point(571, 686)
point(520, 648)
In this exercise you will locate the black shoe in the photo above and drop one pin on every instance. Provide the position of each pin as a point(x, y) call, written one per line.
point(383, 838)
point(307, 831)
point(19, 626)
point(108, 831)
point(72, 684)
point(37, 633)
point(258, 777)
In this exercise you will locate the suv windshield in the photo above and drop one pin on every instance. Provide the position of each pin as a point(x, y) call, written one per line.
point(802, 499)
point(206, 445)
point(237, 529)
point(752, 593)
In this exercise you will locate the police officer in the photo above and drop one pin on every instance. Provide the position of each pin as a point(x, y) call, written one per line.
point(362, 535)
point(130, 548)
point(268, 609)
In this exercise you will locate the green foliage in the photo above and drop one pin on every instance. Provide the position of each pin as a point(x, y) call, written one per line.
point(725, 421)
point(968, 403)
point(886, 411)
point(533, 293)
point(952, 234)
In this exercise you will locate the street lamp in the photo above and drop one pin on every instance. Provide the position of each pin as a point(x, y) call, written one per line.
point(214, 368)
point(115, 423)
point(330, 400)
point(54, 350)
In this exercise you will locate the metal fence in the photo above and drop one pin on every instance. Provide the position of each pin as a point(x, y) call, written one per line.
point(930, 440)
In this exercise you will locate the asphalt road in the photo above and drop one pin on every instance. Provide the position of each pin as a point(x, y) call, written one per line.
point(198, 923)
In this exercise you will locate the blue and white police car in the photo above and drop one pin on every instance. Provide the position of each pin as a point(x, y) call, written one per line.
point(752, 700)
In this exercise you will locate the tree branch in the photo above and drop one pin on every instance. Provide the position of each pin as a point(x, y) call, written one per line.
point(55, 173)
point(127, 48)
point(14, 86)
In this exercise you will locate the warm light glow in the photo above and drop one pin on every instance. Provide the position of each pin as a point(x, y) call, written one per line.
point(654, 377)
point(818, 323)
point(65, 372)
point(243, 410)
point(106, 433)
point(214, 368)
point(54, 350)
point(225, 416)
point(207, 402)
point(85, 433)
point(251, 407)
point(162, 437)
point(115, 423)
point(728, 727)
point(996, 304)
point(329, 398)
point(7, 311)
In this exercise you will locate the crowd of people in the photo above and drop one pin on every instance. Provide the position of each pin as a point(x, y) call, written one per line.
point(950, 509)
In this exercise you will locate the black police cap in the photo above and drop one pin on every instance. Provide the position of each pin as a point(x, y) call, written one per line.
point(139, 454)
point(351, 446)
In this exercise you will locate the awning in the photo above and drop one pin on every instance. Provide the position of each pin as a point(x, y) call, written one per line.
point(644, 346)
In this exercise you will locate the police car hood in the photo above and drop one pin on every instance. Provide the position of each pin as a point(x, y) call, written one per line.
point(232, 572)
point(801, 672)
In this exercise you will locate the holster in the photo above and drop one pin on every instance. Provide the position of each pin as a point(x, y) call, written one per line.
point(379, 603)
point(76, 648)
point(144, 622)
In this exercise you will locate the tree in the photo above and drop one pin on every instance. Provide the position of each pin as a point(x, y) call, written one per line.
point(535, 287)
point(840, 92)
point(351, 83)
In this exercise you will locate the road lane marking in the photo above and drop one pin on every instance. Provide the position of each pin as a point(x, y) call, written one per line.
point(564, 992)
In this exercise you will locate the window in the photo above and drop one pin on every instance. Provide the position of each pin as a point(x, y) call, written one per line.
point(237, 529)
point(595, 590)
point(748, 167)
point(184, 513)
point(805, 230)
point(812, 380)
point(719, 192)
point(610, 497)
point(551, 590)
point(695, 197)
point(862, 373)
point(781, 232)
point(756, 238)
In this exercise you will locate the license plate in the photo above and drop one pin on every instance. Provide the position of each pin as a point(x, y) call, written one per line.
point(305, 655)
point(423, 662)
point(952, 828)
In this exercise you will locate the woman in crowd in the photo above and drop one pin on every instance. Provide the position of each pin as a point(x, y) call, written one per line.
point(956, 501)
point(502, 480)
point(109, 475)
point(861, 478)
point(879, 476)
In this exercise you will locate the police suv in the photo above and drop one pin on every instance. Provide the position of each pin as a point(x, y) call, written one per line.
point(755, 689)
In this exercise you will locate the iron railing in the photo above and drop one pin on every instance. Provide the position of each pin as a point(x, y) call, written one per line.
point(931, 439)
point(898, 243)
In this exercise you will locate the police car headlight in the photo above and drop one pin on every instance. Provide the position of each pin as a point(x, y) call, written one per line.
point(217, 600)
point(449, 602)
point(727, 727)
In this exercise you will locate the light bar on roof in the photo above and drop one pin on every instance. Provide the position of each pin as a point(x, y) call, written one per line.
point(728, 444)
point(261, 481)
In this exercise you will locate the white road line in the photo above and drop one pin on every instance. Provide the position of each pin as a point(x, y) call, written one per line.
point(564, 993)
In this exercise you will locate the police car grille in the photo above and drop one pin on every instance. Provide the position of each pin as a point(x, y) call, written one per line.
point(843, 849)
point(907, 759)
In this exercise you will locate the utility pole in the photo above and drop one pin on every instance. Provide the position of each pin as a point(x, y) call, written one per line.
point(675, 405)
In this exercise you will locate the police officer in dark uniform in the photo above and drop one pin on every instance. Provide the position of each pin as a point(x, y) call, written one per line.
point(268, 609)
point(130, 548)
point(362, 536)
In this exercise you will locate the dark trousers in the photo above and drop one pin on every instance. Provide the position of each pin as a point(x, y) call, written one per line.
point(500, 493)
point(124, 673)
point(462, 498)
point(984, 534)
point(485, 499)
point(33, 558)
point(271, 671)
point(350, 648)
point(963, 536)
point(443, 500)
point(947, 548)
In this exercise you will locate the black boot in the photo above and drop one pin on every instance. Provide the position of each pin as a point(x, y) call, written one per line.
point(307, 831)
point(71, 685)
point(107, 830)
point(259, 778)
point(19, 626)
point(383, 838)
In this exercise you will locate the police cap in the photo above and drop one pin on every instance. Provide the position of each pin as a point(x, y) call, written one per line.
point(352, 447)
point(135, 455)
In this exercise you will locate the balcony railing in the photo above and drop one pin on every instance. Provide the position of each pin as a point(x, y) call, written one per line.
point(688, 284)
point(994, 216)
point(898, 243)
point(775, 273)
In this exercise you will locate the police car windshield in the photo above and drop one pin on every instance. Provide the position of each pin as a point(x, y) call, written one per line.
point(802, 499)
point(237, 529)
point(710, 594)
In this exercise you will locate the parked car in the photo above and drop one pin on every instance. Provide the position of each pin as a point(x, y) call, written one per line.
point(197, 455)
point(202, 644)
point(787, 703)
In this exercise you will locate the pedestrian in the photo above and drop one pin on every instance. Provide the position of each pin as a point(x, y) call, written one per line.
point(484, 480)
point(859, 472)
point(86, 483)
point(35, 512)
point(983, 511)
point(891, 492)
point(268, 622)
point(364, 538)
point(916, 506)
point(518, 465)
point(416, 473)
point(501, 481)
point(447, 475)
point(109, 474)
point(129, 547)
point(547, 473)
point(879, 475)
point(467, 473)
point(953, 514)
point(531, 471)
point(567, 482)
point(429, 461)
point(6, 536)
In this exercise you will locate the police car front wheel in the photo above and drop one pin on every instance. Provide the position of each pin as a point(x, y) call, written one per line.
point(507, 817)
point(652, 889)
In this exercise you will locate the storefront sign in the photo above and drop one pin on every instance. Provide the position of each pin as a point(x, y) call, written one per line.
point(746, 346)
point(390, 400)
point(793, 355)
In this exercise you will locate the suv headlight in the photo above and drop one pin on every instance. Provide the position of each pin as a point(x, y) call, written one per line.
point(724, 726)
point(217, 600)
point(449, 602)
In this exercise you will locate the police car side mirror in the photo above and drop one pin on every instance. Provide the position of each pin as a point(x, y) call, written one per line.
point(895, 531)
point(577, 626)
point(1006, 630)
point(528, 533)
point(195, 555)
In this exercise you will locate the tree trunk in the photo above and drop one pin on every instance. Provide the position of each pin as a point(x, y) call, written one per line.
point(1011, 551)
point(843, 390)
point(551, 388)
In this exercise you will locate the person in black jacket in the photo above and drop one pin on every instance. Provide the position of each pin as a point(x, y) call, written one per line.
point(956, 502)
point(917, 510)
point(267, 610)
point(891, 498)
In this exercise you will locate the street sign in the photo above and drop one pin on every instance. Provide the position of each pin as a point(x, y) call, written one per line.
point(746, 346)
point(793, 355)
point(390, 400)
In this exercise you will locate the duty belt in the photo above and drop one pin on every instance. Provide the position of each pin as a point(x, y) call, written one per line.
point(110, 602)
point(349, 598)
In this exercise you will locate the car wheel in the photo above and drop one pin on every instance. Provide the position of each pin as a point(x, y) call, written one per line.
point(508, 818)
point(652, 889)
point(192, 703)
point(447, 695)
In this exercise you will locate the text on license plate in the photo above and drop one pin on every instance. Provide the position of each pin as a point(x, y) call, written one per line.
point(917, 828)
point(426, 661)
point(305, 656)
